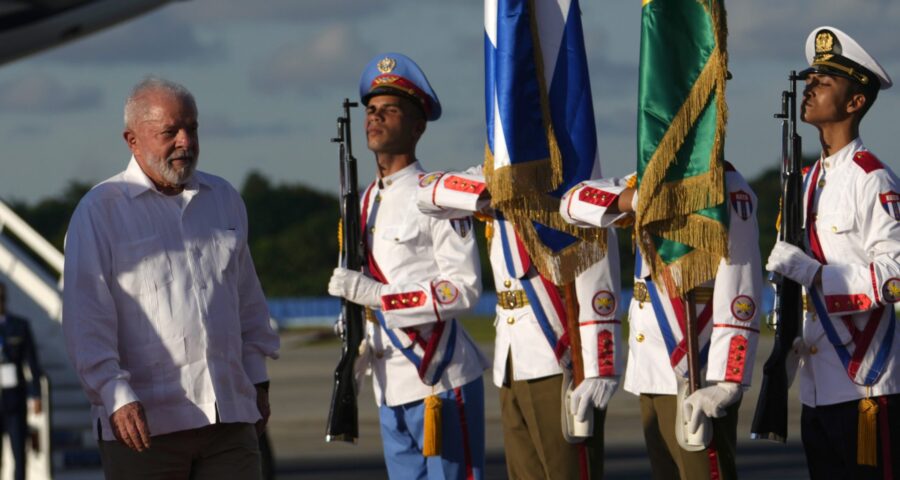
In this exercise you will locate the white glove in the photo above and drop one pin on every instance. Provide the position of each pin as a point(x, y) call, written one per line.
point(592, 392)
point(356, 287)
point(793, 263)
point(710, 401)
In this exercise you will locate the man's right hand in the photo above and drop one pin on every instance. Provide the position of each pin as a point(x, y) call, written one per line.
point(129, 425)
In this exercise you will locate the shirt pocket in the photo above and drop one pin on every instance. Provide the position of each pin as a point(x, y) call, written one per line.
point(142, 266)
point(835, 222)
point(401, 233)
point(402, 239)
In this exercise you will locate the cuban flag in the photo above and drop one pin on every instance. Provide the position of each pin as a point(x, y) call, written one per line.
point(541, 136)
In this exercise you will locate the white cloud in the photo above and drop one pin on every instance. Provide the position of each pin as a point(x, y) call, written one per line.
point(162, 36)
point(39, 92)
point(311, 11)
point(775, 29)
point(222, 126)
point(337, 52)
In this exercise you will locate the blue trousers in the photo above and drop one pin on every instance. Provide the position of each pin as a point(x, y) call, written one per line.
point(462, 437)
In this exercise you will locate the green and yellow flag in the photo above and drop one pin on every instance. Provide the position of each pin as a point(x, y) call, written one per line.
point(682, 220)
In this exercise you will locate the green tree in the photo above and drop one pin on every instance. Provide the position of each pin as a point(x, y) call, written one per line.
point(292, 237)
point(50, 216)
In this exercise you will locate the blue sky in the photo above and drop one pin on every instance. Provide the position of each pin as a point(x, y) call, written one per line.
point(269, 78)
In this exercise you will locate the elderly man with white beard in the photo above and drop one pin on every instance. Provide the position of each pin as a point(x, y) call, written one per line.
point(164, 317)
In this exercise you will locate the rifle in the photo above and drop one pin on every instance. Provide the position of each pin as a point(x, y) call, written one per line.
point(343, 421)
point(770, 418)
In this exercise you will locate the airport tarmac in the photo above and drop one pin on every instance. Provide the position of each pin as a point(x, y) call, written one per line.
point(301, 392)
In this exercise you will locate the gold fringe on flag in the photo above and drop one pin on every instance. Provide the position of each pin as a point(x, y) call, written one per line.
point(536, 176)
point(559, 267)
point(663, 202)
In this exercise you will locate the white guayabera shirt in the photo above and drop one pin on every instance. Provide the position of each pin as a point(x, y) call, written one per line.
point(162, 304)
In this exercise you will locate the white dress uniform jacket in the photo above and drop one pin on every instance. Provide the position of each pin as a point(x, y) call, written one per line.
point(728, 318)
point(856, 212)
point(433, 275)
point(454, 194)
point(162, 304)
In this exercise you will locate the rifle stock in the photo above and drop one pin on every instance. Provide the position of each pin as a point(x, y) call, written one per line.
point(343, 422)
point(770, 418)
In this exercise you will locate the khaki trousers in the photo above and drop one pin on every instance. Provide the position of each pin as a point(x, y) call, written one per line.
point(215, 452)
point(532, 433)
point(671, 462)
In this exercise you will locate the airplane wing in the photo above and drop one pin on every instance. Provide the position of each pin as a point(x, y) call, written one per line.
point(29, 26)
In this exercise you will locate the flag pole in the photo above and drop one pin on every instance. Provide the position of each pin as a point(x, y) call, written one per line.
point(692, 339)
point(574, 333)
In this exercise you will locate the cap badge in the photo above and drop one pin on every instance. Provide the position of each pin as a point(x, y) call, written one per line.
point(825, 45)
point(387, 65)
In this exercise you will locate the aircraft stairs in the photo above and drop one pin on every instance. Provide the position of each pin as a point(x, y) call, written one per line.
point(32, 268)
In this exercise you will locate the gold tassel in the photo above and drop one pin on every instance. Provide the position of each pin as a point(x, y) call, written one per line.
point(431, 444)
point(867, 433)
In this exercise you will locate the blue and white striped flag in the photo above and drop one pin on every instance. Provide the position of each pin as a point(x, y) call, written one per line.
point(541, 138)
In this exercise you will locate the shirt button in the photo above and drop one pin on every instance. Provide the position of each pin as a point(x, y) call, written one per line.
point(507, 283)
point(735, 370)
point(813, 350)
point(639, 337)
point(389, 182)
point(834, 228)
point(511, 320)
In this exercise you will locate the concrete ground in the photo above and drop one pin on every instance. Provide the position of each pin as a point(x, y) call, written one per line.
point(301, 392)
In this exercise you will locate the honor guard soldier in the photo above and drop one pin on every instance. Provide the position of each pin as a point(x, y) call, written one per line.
point(529, 359)
point(421, 273)
point(728, 322)
point(849, 348)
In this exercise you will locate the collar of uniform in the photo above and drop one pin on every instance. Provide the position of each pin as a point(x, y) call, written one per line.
point(385, 183)
point(137, 182)
point(842, 156)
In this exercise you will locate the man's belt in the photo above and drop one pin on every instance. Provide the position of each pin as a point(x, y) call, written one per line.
point(512, 299)
point(702, 295)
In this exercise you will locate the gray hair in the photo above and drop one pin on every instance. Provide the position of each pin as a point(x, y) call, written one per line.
point(135, 108)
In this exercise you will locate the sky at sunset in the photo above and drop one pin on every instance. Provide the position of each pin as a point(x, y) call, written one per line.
point(269, 78)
